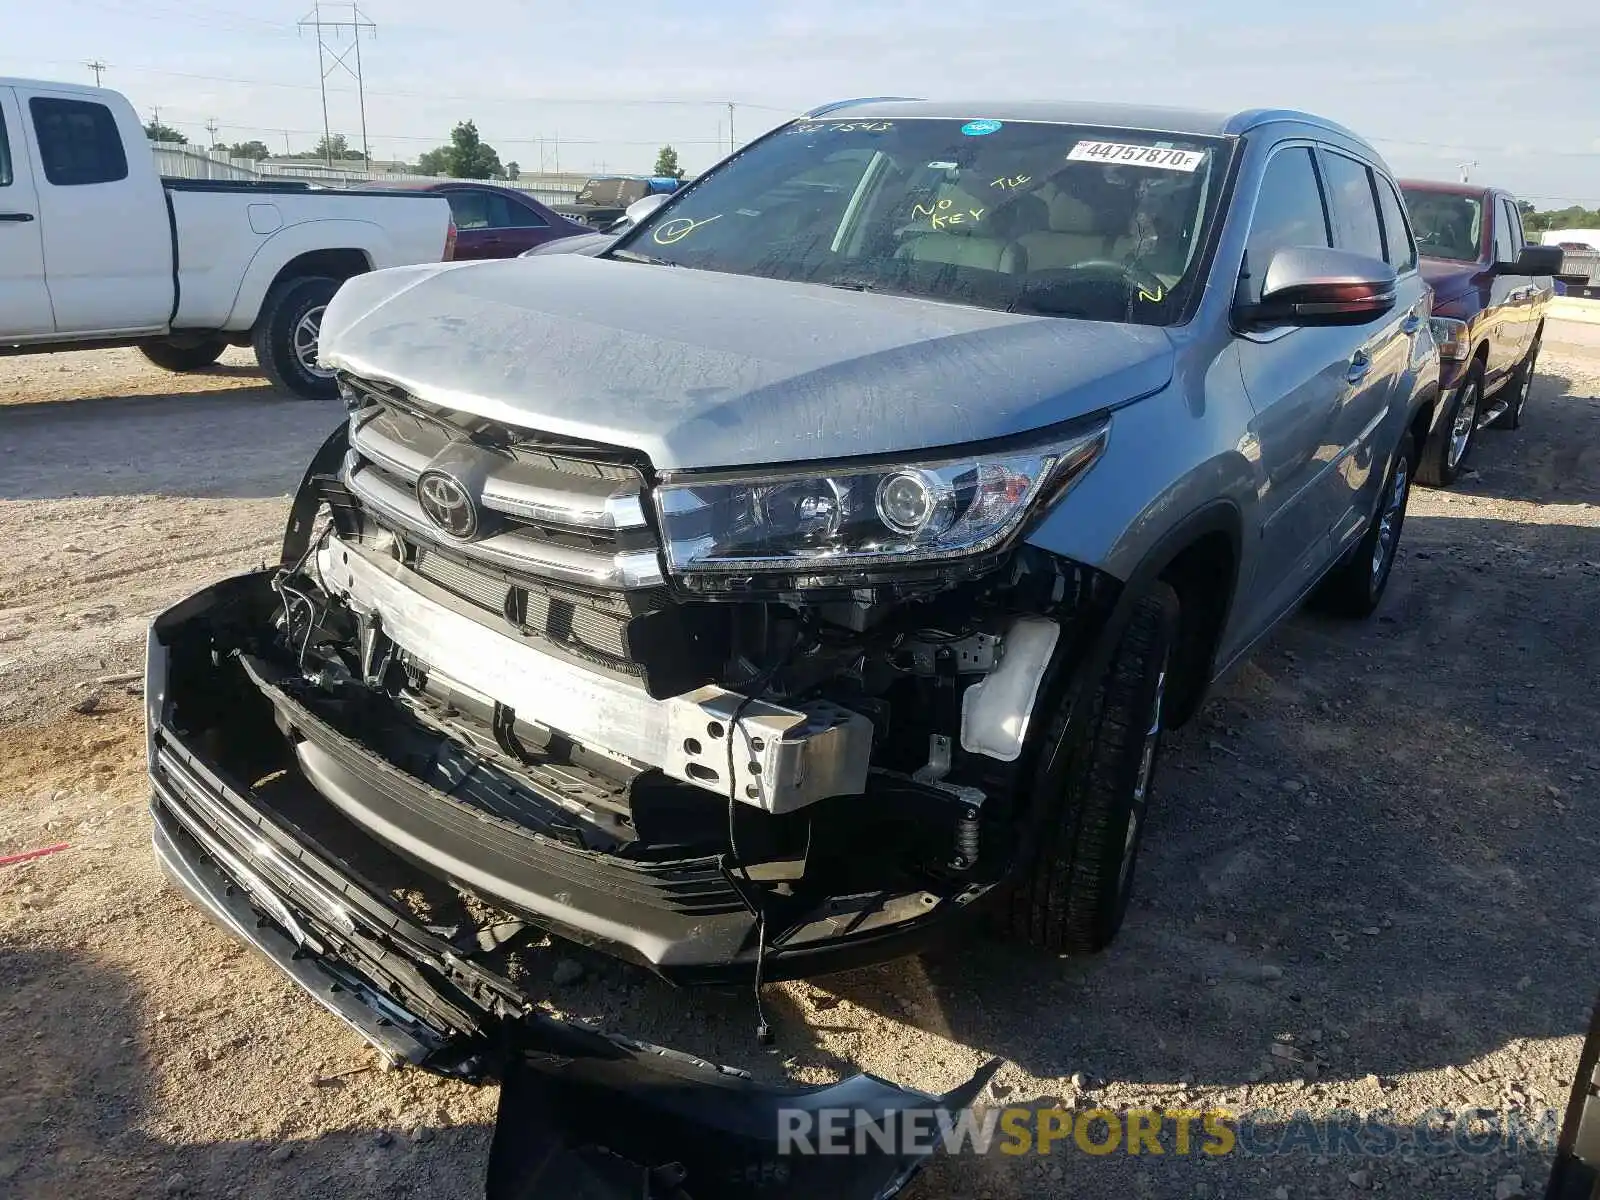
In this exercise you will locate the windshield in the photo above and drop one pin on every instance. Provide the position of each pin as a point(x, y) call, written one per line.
point(1446, 226)
point(1102, 224)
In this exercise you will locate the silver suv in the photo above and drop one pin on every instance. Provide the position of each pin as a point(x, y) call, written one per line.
point(821, 562)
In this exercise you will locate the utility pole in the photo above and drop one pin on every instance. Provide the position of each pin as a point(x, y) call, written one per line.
point(1466, 169)
point(211, 131)
point(730, 127)
point(97, 67)
point(330, 59)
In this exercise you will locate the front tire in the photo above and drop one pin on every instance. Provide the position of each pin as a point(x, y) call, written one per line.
point(286, 333)
point(1355, 587)
point(170, 356)
point(1451, 442)
point(1073, 891)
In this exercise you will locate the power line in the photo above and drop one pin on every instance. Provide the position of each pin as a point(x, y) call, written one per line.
point(638, 102)
point(436, 139)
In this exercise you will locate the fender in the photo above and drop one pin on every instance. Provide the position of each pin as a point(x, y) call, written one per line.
point(307, 498)
point(289, 243)
point(1072, 678)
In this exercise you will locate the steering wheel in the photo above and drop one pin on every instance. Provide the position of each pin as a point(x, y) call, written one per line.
point(1149, 284)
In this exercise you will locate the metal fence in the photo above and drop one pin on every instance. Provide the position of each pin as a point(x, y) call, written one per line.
point(190, 162)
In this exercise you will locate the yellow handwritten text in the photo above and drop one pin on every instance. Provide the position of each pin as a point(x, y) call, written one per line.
point(675, 231)
point(1155, 297)
point(1008, 183)
point(943, 212)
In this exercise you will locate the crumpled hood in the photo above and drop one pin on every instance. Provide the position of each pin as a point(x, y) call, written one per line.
point(699, 369)
point(1448, 278)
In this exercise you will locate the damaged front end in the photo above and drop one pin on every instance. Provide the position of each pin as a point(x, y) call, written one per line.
point(603, 699)
point(503, 684)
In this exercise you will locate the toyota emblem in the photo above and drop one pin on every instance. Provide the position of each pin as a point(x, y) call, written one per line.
point(448, 504)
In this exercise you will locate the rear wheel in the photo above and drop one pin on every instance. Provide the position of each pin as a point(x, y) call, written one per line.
point(1451, 441)
point(286, 336)
point(1357, 584)
point(184, 356)
point(1521, 384)
point(1096, 784)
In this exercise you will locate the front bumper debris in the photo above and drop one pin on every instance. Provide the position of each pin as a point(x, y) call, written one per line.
point(580, 1109)
point(685, 917)
point(785, 758)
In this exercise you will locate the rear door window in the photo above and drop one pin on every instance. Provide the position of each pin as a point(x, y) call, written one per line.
point(1400, 246)
point(1504, 251)
point(5, 153)
point(470, 209)
point(1353, 205)
point(79, 143)
point(1513, 221)
point(520, 216)
point(1289, 212)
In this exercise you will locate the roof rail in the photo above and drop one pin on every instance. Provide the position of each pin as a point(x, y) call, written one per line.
point(823, 110)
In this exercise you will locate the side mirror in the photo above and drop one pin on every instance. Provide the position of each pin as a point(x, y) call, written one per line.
point(1315, 285)
point(642, 208)
point(1534, 260)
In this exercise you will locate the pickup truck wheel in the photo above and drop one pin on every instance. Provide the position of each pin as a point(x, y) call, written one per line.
point(1096, 783)
point(1451, 441)
point(1355, 587)
point(285, 337)
point(1521, 384)
point(170, 356)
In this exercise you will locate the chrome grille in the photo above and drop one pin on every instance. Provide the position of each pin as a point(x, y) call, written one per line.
point(547, 513)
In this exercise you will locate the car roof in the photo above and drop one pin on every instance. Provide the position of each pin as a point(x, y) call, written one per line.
point(1447, 188)
point(1199, 122)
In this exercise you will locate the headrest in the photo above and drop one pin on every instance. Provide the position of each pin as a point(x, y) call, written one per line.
point(1068, 214)
point(1025, 214)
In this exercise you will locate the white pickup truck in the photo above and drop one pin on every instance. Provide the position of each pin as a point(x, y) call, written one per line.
point(96, 249)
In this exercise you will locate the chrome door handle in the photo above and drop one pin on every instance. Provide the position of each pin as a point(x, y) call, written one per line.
point(1360, 364)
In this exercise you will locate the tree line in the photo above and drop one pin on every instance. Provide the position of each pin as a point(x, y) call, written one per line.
point(465, 156)
point(1574, 216)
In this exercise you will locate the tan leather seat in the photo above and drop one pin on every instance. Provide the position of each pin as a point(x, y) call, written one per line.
point(1074, 237)
point(962, 250)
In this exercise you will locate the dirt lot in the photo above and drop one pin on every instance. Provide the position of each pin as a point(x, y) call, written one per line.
point(1375, 850)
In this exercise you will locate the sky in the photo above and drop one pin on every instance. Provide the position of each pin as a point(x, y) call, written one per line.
point(1511, 88)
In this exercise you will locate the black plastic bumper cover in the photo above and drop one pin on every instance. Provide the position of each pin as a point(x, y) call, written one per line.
point(583, 1113)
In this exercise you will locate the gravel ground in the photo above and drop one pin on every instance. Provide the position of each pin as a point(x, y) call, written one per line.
point(1364, 886)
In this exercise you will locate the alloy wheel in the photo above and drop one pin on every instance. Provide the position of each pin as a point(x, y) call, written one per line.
point(306, 333)
point(1394, 507)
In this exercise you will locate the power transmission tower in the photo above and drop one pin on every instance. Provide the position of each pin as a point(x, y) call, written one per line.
point(1466, 169)
point(330, 58)
point(97, 67)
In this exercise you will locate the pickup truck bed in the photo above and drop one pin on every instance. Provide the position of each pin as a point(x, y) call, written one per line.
point(96, 249)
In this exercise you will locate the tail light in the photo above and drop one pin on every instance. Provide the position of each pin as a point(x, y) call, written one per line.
point(450, 241)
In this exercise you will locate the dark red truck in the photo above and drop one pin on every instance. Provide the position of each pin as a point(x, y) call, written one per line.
point(1491, 288)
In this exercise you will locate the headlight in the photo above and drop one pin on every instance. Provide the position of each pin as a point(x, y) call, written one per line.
point(1452, 339)
point(826, 522)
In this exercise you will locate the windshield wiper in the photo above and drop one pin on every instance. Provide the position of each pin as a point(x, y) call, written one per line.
point(635, 256)
point(854, 285)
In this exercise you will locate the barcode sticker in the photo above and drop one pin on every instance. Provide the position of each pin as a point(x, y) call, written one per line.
point(1137, 156)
